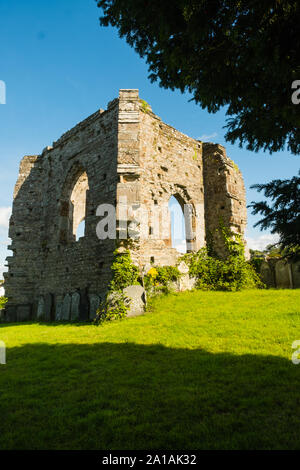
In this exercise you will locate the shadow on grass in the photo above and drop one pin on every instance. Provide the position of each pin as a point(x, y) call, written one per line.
point(131, 396)
point(43, 323)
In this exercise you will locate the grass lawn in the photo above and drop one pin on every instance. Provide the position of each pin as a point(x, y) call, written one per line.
point(201, 370)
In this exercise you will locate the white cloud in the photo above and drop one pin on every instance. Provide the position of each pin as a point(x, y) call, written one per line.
point(260, 243)
point(5, 213)
point(205, 137)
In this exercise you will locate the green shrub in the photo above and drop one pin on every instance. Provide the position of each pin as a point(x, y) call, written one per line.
point(116, 304)
point(3, 301)
point(114, 307)
point(256, 262)
point(167, 274)
point(125, 273)
point(231, 274)
point(159, 279)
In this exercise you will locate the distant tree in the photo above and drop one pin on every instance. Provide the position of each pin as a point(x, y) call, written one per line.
point(235, 53)
point(282, 216)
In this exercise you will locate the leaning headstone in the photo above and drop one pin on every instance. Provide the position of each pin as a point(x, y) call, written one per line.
point(58, 308)
point(84, 305)
point(137, 296)
point(48, 306)
point(282, 275)
point(296, 275)
point(41, 309)
point(66, 308)
point(94, 305)
point(185, 282)
point(75, 301)
point(266, 274)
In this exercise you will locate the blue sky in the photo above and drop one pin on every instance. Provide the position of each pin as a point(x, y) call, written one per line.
point(60, 66)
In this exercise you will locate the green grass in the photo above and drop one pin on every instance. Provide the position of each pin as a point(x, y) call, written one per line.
point(202, 370)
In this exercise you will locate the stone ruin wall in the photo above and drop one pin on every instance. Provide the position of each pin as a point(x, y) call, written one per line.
point(125, 151)
point(167, 163)
point(225, 196)
point(46, 260)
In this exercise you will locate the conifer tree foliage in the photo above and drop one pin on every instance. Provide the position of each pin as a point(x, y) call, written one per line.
point(235, 53)
point(282, 215)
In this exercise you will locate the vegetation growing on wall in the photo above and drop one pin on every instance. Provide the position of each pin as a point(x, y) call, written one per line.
point(159, 279)
point(125, 273)
point(144, 106)
point(232, 274)
point(212, 273)
point(3, 301)
point(116, 304)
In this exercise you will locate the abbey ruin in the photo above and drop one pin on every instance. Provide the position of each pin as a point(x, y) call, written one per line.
point(123, 153)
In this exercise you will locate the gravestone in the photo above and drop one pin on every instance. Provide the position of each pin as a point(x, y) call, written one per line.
point(66, 308)
point(282, 275)
point(296, 275)
point(185, 282)
point(75, 301)
point(137, 296)
point(266, 274)
point(48, 307)
point(94, 305)
point(58, 308)
point(41, 308)
point(84, 306)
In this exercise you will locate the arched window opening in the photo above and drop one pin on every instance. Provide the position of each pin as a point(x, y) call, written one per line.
point(78, 205)
point(73, 206)
point(177, 225)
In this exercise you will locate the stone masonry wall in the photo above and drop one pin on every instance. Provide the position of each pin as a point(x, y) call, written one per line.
point(224, 194)
point(124, 155)
point(47, 260)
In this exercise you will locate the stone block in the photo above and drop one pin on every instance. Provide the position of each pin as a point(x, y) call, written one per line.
point(137, 296)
